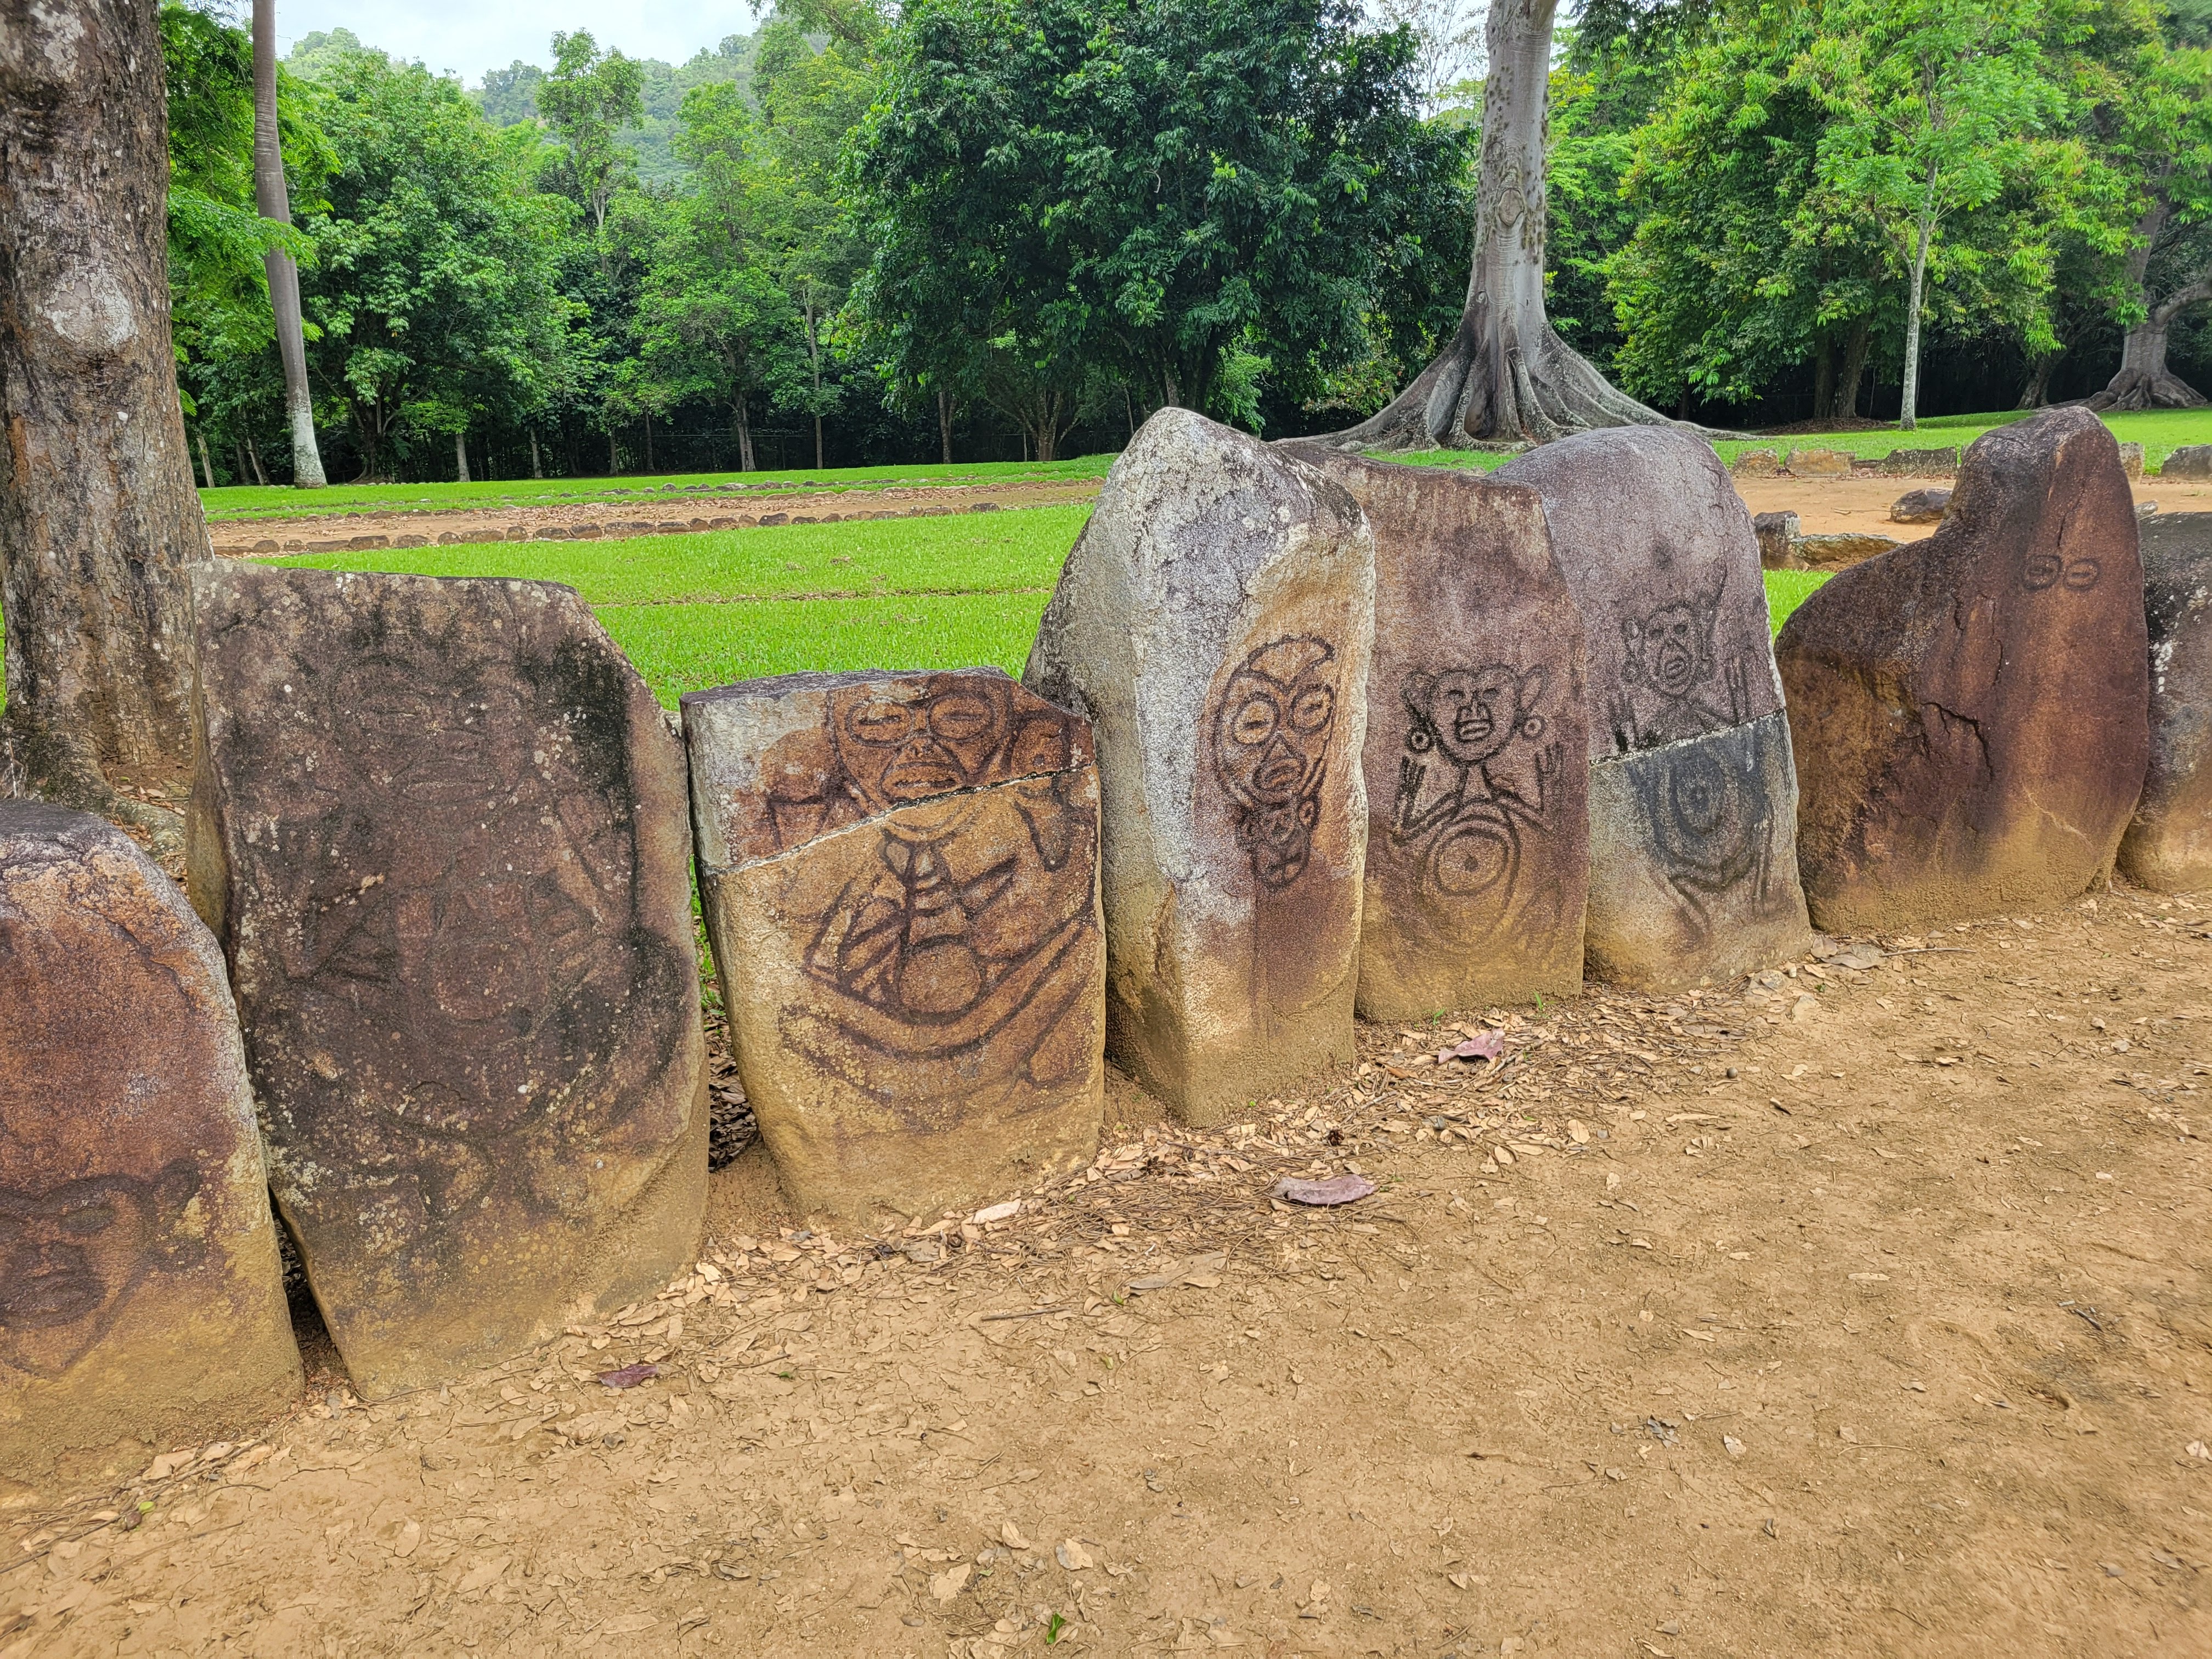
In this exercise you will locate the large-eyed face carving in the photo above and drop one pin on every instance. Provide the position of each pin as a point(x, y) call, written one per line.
point(1471, 713)
point(1271, 731)
point(898, 747)
point(1671, 650)
point(69, 1256)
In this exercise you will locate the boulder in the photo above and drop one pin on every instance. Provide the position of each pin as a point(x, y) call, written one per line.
point(141, 1297)
point(2131, 460)
point(1920, 507)
point(1969, 711)
point(1820, 463)
point(440, 827)
point(1839, 547)
point(900, 875)
point(2190, 461)
point(2168, 844)
point(1777, 533)
point(1214, 624)
point(1694, 871)
point(1478, 821)
point(1757, 463)
point(1920, 462)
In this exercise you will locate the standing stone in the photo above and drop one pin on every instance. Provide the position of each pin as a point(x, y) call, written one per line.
point(1214, 624)
point(1969, 711)
point(1478, 798)
point(2190, 461)
point(1776, 534)
point(440, 827)
point(141, 1298)
point(1693, 803)
point(2168, 846)
point(900, 874)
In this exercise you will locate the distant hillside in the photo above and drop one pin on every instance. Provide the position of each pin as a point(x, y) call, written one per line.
point(510, 95)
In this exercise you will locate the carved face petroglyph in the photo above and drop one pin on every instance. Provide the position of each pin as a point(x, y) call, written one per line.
point(1270, 732)
point(1470, 715)
point(71, 1256)
point(1671, 650)
point(896, 748)
point(2046, 569)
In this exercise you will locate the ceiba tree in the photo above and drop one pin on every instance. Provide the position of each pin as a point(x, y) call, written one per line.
point(98, 517)
point(274, 200)
point(1506, 376)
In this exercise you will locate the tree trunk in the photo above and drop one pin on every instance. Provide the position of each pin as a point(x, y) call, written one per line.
point(648, 441)
point(1908, 417)
point(945, 426)
point(461, 458)
point(2037, 393)
point(744, 438)
point(2143, 380)
point(1506, 376)
point(537, 466)
point(614, 465)
point(253, 456)
point(207, 467)
point(1824, 380)
point(98, 515)
point(273, 199)
point(1858, 344)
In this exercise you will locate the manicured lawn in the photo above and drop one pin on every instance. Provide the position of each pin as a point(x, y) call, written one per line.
point(1788, 589)
point(247, 502)
point(2159, 431)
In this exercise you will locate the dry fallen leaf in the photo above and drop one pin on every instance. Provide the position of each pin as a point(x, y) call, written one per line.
point(1073, 1556)
point(945, 1585)
point(1011, 1537)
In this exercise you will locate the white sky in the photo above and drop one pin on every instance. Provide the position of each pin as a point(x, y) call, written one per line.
point(457, 36)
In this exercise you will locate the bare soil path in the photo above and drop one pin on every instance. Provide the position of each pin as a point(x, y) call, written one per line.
point(1825, 506)
point(1847, 1312)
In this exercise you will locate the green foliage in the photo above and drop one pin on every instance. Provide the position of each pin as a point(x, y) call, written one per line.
point(587, 98)
point(1145, 188)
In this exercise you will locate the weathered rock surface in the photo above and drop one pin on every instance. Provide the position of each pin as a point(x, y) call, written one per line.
point(1920, 507)
point(141, 1298)
point(1820, 463)
point(1920, 462)
point(2168, 844)
point(442, 829)
point(900, 874)
point(2131, 459)
point(1693, 869)
point(1969, 711)
point(2190, 461)
point(1836, 547)
point(1757, 463)
point(1213, 623)
point(1478, 821)
point(1777, 533)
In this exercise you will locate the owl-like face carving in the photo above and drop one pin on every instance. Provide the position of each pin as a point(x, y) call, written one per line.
point(1271, 734)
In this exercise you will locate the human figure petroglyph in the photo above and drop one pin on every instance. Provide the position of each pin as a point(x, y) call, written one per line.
point(1669, 660)
point(1455, 803)
point(1711, 822)
point(1271, 731)
point(71, 1256)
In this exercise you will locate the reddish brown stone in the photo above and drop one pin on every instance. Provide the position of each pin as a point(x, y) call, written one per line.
point(1478, 734)
point(440, 826)
point(2168, 846)
point(900, 875)
point(141, 1299)
point(1969, 712)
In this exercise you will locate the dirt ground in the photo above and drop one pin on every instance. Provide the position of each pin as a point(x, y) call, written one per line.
point(1824, 506)
point(1847, 1312)
point(722, 510)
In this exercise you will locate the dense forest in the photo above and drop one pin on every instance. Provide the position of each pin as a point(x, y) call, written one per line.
point(997, 229)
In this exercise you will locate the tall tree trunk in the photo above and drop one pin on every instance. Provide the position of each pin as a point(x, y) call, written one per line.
point(648, 441)
point(207, 467)
point(98, 515)
point(253, 456)
point(1908, 418)
point(460, 457)
point(814, 357)
point(2037, 391)
point(273, 199)
point(537, 466)
point(1858, 345)
point(945, 426)
point(745, 436)
point(1824, 380)
point(2143, 380)
point(1506, 376)
point(614, 465)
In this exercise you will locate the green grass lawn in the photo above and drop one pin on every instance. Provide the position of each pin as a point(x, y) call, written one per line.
point(2160, 432)
point(235, 503)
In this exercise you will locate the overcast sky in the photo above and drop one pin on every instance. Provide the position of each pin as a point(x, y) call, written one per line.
point(470, 39)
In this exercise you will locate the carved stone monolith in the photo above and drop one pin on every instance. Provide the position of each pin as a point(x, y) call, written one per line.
point(2168, 844)
point(1478, 820)
point(1969, 711)
point(1213, 623)
point(141, 1298)
point(900, 874)
point(441, 828)
point(1692, 799)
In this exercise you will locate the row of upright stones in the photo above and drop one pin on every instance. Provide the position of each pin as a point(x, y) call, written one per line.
point(1301, 734)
